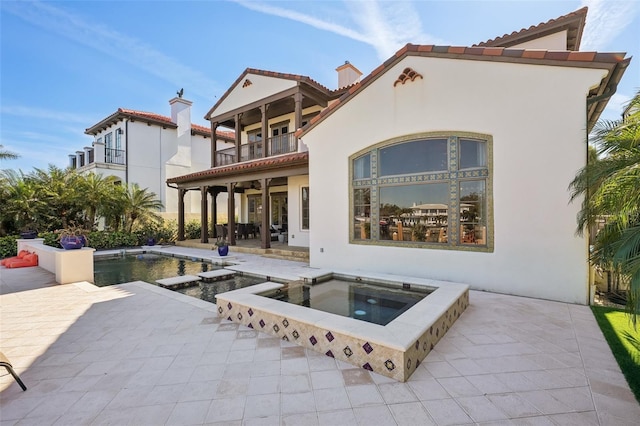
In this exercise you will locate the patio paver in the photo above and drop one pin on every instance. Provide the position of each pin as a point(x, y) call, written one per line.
point(136, 353)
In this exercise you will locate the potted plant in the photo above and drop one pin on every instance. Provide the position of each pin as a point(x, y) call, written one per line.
point(223, 246)
point(28, 232)
point(72, 237)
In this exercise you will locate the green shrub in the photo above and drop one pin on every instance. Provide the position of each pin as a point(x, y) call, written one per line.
point(50, 239)
point(102, 240)
point(164, 232)
point(8, 246)
point(192, 230)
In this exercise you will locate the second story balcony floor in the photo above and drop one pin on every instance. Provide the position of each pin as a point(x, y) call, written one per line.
point(276, 145)
point(97, 157)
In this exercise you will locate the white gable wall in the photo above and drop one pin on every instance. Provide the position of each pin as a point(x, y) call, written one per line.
point(260, 88)
point(536, 116)
point(556, 41)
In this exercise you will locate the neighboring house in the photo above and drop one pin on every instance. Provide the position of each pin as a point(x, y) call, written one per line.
point(147, 149)
point(483, 139)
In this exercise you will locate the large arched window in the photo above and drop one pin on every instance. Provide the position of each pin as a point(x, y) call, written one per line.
point(427, 190)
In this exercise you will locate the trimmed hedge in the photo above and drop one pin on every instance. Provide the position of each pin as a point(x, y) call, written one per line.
point(8, 246)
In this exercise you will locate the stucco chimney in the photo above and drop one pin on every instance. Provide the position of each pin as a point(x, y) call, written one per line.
point(181, 114)
point(347, 75)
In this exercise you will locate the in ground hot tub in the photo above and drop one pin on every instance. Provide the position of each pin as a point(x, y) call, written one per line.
point(393, 350)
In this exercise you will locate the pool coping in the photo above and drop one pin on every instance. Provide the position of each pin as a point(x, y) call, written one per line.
point(400, 346)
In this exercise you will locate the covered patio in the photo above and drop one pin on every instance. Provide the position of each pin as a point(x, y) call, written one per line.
point(255, 177)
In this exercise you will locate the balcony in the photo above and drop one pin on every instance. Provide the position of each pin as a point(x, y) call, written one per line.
point(276, 145)
point(114, 156)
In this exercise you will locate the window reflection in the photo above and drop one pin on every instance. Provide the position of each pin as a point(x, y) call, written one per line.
point(428, 155)
point(362, 213)
point(473, 217)
point(473, 153)
point(414, 212)
point(362, 167)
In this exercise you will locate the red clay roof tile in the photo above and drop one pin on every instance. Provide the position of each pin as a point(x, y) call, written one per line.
point(156, 118)
point(262, 163)
point(512, 55)
point(573, 21)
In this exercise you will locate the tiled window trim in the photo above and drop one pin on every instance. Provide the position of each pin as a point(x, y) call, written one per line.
point(452, 175)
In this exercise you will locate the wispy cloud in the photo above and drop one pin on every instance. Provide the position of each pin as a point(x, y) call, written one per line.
point(46, 114)
point(386, 26)
point(108, 41)
point(605, 20)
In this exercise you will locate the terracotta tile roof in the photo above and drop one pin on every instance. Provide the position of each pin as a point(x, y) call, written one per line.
point(572, 22)
point(261, 164)
point(153, 118)
point(615, 62)
point(147, 115)
point(332, 94)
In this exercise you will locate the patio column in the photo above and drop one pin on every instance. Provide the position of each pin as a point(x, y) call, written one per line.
point(265, 231)
point(204, 216)
point(181, 193)
point(214, 143)
point(265, 130)
point(231, 210)
point(214, 211)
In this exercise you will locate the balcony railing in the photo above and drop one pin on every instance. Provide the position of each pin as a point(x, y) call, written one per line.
point(276, 145)
point(282, 144)
point(114, 156)
point(225, 157)
point(251, 151)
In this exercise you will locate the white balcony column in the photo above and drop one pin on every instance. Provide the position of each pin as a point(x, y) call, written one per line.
point(98, 152)
point(87, 155)
point(72, 161)
point(79, 159)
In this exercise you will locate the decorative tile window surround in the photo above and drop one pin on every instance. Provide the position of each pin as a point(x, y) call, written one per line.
point(394, 350)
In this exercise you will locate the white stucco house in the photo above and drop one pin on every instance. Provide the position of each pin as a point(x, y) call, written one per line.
point(147, 148)
point(445, 162)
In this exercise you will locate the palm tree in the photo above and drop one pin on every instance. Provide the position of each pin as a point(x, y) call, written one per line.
point(23, 204)
point(7, 155)
point(139, 205)
point(610, 187)
point(59, 188)
point(96, 194)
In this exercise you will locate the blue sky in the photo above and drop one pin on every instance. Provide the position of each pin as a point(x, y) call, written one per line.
point(67, 65)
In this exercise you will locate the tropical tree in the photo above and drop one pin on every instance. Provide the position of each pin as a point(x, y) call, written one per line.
point(24, 203)
point(98, 193)
point(59, 188)
point(610, 188)
point(139, 205)
point(7, 155)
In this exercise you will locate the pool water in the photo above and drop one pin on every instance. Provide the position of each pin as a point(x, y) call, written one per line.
point(208, 290)
point(376, 304)
point(146, 267)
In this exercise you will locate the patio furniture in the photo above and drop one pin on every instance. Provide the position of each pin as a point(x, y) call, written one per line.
point(251, 230)
point(221, 231)
point(4, 362)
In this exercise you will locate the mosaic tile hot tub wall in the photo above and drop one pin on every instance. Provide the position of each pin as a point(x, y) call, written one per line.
point(371, 354)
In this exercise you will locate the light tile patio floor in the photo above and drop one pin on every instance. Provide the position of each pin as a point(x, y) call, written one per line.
point(139, 354)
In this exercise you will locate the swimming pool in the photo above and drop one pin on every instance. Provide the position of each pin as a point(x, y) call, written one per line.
point(208, 290)
point(359, 300)
point(148, 267)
